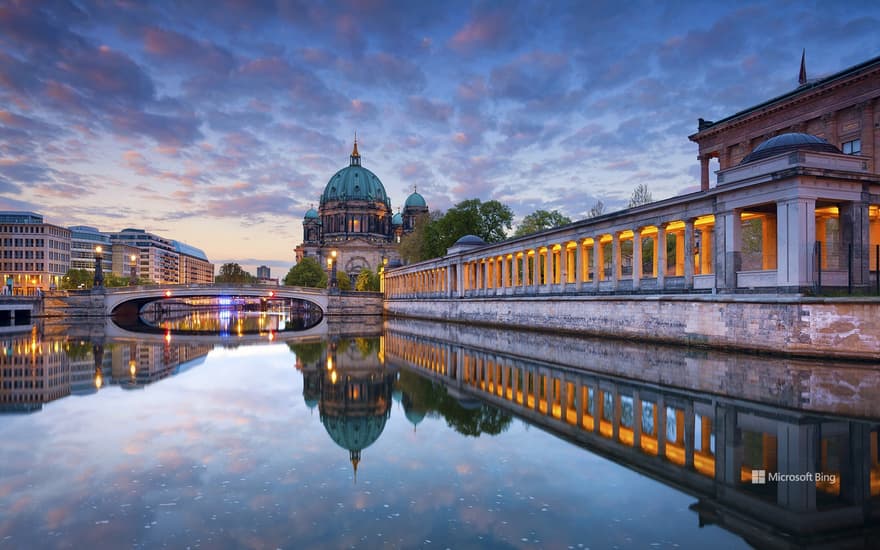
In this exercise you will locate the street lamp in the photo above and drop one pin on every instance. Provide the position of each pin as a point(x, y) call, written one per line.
point(331, 263)
point(99, 271)
point(133, 259)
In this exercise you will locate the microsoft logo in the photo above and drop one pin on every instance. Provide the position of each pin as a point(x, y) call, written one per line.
point(759, 477)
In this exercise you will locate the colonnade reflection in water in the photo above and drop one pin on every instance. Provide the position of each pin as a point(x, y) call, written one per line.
point(782, 452)
point(779, 451)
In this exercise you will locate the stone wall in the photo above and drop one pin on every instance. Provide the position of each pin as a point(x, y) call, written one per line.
point(844, 327)
point(73, 304)
point(354, 304)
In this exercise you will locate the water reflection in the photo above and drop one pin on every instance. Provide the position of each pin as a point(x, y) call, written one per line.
point(352, 386)
point(770, 473)
point(223, 316)
point(433, 420)
point(34, 371)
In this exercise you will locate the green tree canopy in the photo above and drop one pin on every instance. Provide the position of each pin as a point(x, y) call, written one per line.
point(308, 272)
point(233, 273)
point(367, 281)
point(76, 277)
point(540, 220)
point(343, 281)
point(488, 220)
point(640, 196)
point(412, 244)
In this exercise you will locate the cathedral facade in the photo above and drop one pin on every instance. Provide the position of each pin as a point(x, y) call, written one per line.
point(355, 221)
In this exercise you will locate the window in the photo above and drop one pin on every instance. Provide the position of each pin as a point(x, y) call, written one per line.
point(853, 147)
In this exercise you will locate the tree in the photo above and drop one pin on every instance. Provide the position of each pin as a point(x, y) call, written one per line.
point(308, 272)
point(367, 281)
point(77, 278)
point(539, 220)
point(412, 243)
point(488, 220)
point(343, 281)
point(233, 273)
point(597, 210)
point(640, 196)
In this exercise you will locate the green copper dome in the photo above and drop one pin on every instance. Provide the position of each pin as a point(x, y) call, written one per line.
point(397, 219)
point(355, 183)
point(416, 200)
point(311, 214)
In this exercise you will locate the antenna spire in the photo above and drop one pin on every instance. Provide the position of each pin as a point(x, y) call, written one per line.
point(802, 75)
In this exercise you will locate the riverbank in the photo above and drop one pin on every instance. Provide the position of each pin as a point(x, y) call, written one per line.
point(842, 328)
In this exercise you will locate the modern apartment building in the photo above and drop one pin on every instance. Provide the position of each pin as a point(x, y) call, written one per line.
point(35, 255)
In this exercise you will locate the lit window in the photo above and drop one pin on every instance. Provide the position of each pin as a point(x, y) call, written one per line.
point(853, 147)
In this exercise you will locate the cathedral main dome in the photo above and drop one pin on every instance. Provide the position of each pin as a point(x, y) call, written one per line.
point(355, 183)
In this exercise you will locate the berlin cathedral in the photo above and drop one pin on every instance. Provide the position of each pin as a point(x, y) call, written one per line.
point(354, 219)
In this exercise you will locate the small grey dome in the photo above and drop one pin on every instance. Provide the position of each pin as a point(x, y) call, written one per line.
point(470, 240)
point(792, 141)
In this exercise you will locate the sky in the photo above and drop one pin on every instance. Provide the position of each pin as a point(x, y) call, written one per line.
point(218, 123)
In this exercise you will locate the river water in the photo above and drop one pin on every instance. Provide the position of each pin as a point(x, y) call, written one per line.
point(410, 434)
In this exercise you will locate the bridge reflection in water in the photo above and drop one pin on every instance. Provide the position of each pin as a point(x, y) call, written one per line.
point(724, 450)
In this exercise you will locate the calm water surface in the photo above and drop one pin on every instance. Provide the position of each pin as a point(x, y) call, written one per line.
point(413, 436)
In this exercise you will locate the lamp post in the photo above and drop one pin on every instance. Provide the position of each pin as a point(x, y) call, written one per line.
point(99, 271)
point(133, 259)
point(332, 264)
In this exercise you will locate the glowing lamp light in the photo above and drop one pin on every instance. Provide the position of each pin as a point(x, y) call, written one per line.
point(168, 336)
point(329, 363)
point(99, 380)
point(271, 336)
point(168, 294)
point(333, 377)
point(99, 249)
point(271, 294)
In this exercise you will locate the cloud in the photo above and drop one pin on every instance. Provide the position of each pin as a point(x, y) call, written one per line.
point(424, 109)
point(170, 46)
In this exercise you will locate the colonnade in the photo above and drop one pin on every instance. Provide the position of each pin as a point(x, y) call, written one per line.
point(672, 255)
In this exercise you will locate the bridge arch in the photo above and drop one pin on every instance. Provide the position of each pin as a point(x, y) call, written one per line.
point(140, 295)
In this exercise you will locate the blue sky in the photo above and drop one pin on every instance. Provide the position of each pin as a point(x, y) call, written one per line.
point(219, 122)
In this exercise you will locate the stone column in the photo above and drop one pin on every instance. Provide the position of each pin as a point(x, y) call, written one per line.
point(597, 262)
point(548, 266)
point(615, 260)
point(728, 248)
point(689, 253)
point(459, 276)
point(637, 259)
point(536, 271)
point(796, 228)
point(563, 265)
point(661, 426)
point(581, 269)
point(660, 256)
point(855, 227)
point(505, 272)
